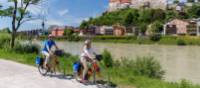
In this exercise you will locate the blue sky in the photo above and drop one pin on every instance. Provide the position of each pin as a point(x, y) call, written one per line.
point(61, 12)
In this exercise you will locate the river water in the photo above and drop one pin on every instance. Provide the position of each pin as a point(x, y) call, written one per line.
point(179, 62)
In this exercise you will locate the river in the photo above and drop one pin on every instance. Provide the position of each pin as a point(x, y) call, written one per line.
point(179, 62)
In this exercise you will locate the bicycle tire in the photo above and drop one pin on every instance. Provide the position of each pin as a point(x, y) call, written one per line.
point(42, 71)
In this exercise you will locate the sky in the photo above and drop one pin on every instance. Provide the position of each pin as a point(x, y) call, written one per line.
point(60, 12)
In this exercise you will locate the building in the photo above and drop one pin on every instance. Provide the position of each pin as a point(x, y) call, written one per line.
point(176, 27)
point(120, 4)
point(106, 30)
point(155, 4)
point(58, 31)
point(119, 30)
point(182, 27)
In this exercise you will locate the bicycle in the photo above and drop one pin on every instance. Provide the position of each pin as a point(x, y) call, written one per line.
point(92, 70)
point(52, 64)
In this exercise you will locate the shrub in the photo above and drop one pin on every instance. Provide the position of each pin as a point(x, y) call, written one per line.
point(26, 48)
point(181, 42)
point(155, 37)
point(4, 39)
point(148, 66)
point(66, 62)
point(107, 59)
point(185, 84)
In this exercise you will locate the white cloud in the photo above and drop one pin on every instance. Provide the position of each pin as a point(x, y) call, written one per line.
point(55, 22)
point(63, 12)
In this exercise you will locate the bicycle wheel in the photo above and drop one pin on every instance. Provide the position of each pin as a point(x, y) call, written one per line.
point(42, 70)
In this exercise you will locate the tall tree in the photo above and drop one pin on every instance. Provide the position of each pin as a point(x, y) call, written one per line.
point(19, 14)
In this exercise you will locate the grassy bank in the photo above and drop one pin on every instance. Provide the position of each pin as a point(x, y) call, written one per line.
point(119, 74)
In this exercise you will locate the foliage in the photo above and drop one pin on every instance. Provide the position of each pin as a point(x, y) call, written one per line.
point(26, 48)
point(142, 28)
point(68, 32)
point(131, 18)
point(181, 42)
point(155, 37)
point(194, 11)
point(191, 1)
point(84, 25)
point(4, 39)
point(107, 59)
point(171, 14)
point(156, 27)
point(148, 66)
point(5, 30)
point(176, 1)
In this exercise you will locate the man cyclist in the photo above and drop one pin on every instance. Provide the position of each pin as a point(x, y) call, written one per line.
point(88, 55)
point(46, 51)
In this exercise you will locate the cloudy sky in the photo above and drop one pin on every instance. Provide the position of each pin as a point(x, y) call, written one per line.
point(61, 12)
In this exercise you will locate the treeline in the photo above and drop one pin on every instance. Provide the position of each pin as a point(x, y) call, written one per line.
point(141, 18)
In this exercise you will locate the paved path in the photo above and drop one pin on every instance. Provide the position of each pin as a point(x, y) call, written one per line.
point(15, 75)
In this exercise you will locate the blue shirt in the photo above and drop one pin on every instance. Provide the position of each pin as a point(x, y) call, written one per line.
point(48, 44)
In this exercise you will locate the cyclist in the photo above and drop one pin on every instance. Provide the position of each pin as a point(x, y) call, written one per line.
point(46, 51)
point(88, 55)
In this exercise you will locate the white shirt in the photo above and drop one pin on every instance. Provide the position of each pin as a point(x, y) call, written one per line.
point(88, 52)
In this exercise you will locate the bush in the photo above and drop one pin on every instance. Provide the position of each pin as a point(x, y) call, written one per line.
point(185, 84)
point(66, 62)
point(26, 48)
point(155, 37)
point(107, 59)
point(4, 40)
point(181, 42)
point(148, 66)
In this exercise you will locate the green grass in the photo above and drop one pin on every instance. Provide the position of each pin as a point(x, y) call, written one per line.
point(28, 59)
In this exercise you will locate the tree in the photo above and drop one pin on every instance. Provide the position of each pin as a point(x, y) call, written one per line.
point(142, 28)
point(170, 14)
point(68, 32)
point(84, 25)
point(194, 11)
point(191, 1)
point(146, 15)
point(176, 1)
point(6, 30)
point(19, 14)
point(158, 14)
point(131, 18)
point(156, 27)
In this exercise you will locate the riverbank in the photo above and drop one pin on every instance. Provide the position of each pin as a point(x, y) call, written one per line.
point(161, 40)
point(121, 76)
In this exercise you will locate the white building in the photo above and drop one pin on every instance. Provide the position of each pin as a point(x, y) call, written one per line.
point(161, 4)
point(120, 4)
